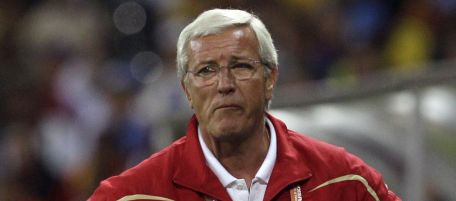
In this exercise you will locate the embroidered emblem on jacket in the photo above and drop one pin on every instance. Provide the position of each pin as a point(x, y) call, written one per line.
point(295, 194)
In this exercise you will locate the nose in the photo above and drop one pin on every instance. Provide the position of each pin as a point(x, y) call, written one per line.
point(225, 83)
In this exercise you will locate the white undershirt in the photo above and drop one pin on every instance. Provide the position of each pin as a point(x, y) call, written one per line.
point(237, 188)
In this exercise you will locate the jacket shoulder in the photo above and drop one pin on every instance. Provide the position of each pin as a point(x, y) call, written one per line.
point(153, 176)
point(325, 156)
point(332, 163)
point(317, 150)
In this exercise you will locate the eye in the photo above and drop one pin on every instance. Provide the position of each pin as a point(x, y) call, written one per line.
point(241, 66)
point(207, 70)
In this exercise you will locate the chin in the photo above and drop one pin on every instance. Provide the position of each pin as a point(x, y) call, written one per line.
point(228, 133)
point(227, 126)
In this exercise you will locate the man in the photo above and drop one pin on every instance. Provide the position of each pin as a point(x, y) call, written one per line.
point(234, 149)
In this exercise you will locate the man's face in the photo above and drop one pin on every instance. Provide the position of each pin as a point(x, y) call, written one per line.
point(228, 108)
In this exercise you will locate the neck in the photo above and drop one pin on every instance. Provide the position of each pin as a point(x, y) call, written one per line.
point(243, 157)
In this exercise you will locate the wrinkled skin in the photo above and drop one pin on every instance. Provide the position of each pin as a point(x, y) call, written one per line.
point(229, 109)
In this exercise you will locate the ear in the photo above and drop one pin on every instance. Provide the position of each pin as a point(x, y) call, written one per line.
point(270, 82)
point(187, 94)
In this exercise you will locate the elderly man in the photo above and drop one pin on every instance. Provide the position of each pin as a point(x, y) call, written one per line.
point(234, 149)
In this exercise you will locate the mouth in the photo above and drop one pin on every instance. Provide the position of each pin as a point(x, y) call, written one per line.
point(228, 107)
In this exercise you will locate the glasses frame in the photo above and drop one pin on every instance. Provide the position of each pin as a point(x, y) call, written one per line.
point(202, 81)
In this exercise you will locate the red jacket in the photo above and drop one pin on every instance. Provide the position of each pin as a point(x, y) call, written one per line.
point(305, 169)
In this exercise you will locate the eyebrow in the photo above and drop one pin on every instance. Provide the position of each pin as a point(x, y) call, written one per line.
point(206, 62)
point(232, 58)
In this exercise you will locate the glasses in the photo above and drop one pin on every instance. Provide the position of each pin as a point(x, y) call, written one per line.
point(206, 74)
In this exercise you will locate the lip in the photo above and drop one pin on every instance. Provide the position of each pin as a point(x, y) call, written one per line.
point(228, 106)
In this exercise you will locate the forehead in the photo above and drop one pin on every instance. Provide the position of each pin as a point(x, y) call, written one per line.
point(233, 42)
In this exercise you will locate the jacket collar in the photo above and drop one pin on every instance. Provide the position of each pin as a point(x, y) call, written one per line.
point(193, 173)
point(290, 168)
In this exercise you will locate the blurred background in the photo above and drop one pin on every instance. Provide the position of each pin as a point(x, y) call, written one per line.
point(89, 88)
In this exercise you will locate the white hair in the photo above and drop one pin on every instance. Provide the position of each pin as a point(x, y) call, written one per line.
point(218, 20)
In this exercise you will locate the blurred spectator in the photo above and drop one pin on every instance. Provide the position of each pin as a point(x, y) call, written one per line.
point(411, 41)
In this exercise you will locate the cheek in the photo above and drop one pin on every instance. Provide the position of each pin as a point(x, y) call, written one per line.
point(200, 102)
point(255, 95)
